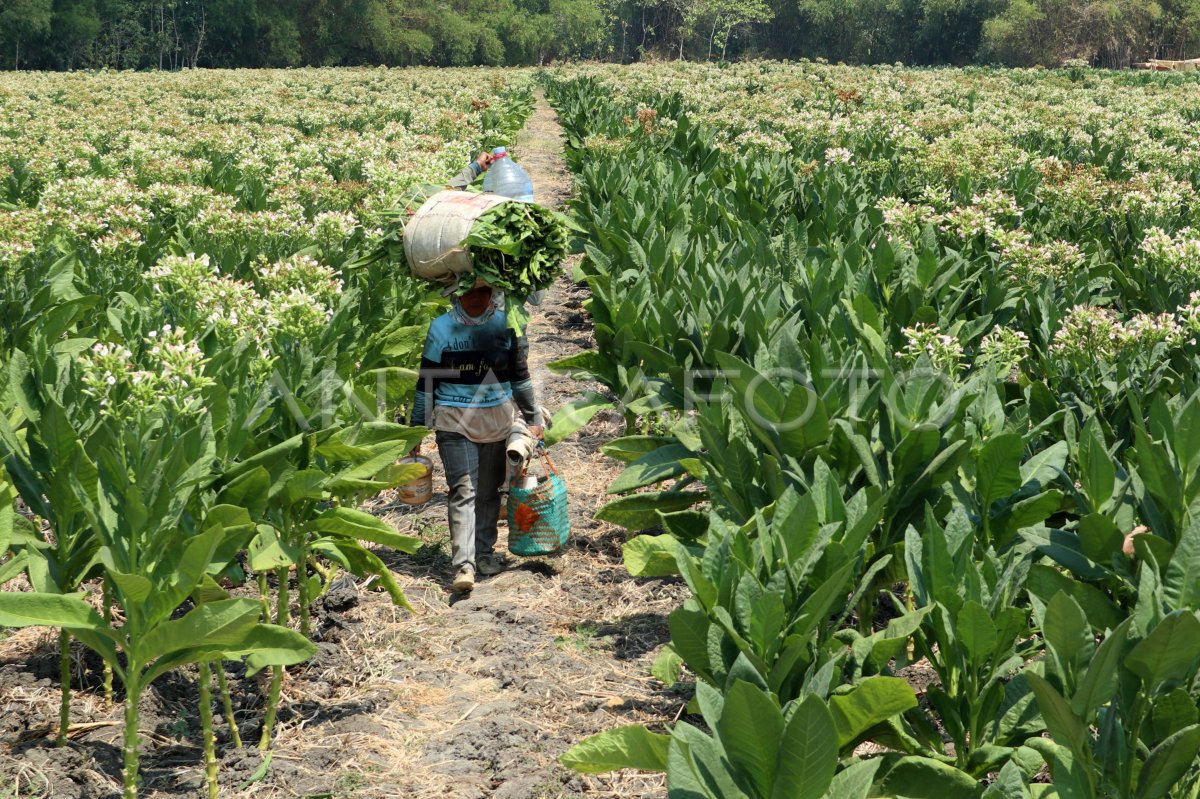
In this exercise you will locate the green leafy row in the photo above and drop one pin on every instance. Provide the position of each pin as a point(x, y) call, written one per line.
point(869, 450)
point(172, 423)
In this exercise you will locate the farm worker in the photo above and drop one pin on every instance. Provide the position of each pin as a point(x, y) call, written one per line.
point(474, 370)
point(473, 170)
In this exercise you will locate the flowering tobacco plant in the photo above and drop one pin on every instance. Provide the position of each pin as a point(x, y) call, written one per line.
point(190, 367)
point(130, 482)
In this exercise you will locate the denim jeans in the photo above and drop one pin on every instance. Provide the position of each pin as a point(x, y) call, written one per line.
point(475, 473)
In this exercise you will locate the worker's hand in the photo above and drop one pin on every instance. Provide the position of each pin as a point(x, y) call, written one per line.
point(415, 451)
point(485, 160)
point(537, 431)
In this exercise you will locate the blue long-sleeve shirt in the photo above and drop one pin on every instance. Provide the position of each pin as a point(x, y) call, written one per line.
point(467, 176)
point(474, 366)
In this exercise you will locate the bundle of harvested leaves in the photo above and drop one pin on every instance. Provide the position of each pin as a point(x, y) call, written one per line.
point(517, 247)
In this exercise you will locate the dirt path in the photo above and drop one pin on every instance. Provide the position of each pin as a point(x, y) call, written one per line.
point(555, 649)
point(470, 698)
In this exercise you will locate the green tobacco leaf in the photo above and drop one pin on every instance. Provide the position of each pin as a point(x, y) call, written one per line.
point(750, 728)
point(271, 645)
point(209, 590)
point(640, 511)
point(804, 422)
point(267, 551)
point(259, 773)
point(381, 456)
point(667, 666)
point(1169, 652)
point(653, 467)
point(8, 496)
point(1099, 537)
point(808, 754)
point(686, 525)
point(1172, 712)
point(689, 636)
point(1066, 630)
point(915, 451)
point(249, 490)
point(1044, 582)
point(1064, 726)
point(1097, 473)
point(402, 341)
point(1158, 475)
point(398, 474)
point(29, 609)
point(1009, 784)
point(135, 589)
point(1168, 762)
point(267, 458)
point(215, 624)
point(363, 526)
point(630, 448)
point(1099, 684)
point(190, 566)
point(13, 566)
point(589, 362)
point(625, 747)
point(998, 468)
point(575, 415)
point(651, 556)
point(872, 701)
point(362, 562)
point(1046, 466)
point(976, 631)
point(1181, 583)
point(306, 484)
point(1032, 510)
point(817, 606)
point(688, 748)
point(855, 781)
point(925, 778)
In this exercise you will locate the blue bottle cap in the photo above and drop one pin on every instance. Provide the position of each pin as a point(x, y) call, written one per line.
point(500, 151)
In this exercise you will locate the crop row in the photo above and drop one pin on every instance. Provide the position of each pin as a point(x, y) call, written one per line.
point(198, 384)
point(913, 394)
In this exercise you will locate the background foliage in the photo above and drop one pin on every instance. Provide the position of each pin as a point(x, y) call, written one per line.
point(170, 34)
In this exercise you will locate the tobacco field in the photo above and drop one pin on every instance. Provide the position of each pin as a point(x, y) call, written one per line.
point(906, 362)
point(197, 382)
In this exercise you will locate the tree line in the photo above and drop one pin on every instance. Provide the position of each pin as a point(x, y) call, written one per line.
point(173, 34)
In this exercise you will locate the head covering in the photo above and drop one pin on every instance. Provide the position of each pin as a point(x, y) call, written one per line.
point(496, 304)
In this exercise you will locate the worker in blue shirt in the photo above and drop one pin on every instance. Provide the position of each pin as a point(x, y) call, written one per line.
point(473, 384)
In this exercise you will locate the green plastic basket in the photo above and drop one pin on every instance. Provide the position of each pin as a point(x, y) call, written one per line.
point(538, 521)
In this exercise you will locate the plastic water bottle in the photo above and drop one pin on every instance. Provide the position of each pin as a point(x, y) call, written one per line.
point(507, 178)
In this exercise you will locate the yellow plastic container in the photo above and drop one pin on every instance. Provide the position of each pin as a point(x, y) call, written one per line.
point(420, 490)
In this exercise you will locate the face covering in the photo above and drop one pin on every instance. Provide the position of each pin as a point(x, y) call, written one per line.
point(463, 318)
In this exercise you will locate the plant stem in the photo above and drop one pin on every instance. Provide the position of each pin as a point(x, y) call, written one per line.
point(264, 593)
point(302, 592)
point(206, 723)
point(64, 680)
point(910, 604)
point(106, 606)
point(1133, 735)
point(281, 618)
point(133, 692)
point(272, 707)
point(330, 575)
point(227, 700)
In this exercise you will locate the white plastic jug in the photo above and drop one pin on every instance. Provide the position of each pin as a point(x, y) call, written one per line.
point(506, 178)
